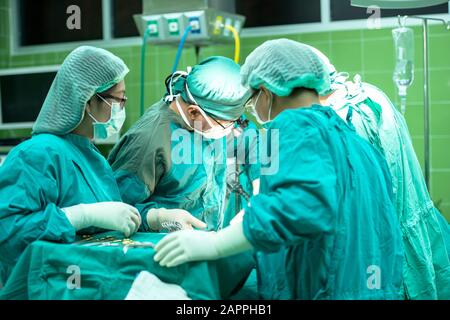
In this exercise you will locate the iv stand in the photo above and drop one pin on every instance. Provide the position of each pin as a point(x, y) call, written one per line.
point(426, 91)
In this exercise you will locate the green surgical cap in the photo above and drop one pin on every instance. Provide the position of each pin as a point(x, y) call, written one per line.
point(215, 85)
point(282, 65)
point(85, 72)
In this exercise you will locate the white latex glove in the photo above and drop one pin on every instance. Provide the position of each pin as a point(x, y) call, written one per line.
point(190, 245)
point(177, 219)
point(115, 216)
point(238, 218)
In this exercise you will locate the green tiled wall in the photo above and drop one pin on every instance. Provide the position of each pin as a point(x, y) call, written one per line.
point(367, 52)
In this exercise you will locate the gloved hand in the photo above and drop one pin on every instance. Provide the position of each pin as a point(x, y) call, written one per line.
point(176, 219)
point(190, 245)
point(115, 216)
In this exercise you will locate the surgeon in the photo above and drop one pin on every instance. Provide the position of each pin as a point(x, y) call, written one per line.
point(324, 225)
point(57, 183)
point(171, 164)
point(375, 118)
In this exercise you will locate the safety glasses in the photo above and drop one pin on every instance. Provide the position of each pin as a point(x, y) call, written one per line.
point(224, 124)
point(121, 101)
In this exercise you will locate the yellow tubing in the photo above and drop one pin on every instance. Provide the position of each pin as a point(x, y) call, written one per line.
point(237, 43)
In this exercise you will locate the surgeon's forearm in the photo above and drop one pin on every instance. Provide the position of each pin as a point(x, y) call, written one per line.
point(53, 226)
point(144, 209)
point(153, 220)
point(231, 241)
point(77, 216)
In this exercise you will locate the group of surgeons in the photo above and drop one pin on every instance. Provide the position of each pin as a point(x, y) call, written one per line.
point(345, 216)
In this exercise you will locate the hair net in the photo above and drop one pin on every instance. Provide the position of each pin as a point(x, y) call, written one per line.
point(336, 78)
point(283, 65)
point(331, 68)
point(85, 71)
point(215, 86)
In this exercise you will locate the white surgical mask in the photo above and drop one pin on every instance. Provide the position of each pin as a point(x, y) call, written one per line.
point(104, 130)
point(255, 113)
point(216, 131)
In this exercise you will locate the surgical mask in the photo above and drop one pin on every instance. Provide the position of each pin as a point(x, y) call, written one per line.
point(255, 113)
point(104, 130)
point(216, 131)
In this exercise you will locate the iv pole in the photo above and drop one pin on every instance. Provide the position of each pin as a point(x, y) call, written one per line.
point(426, 91)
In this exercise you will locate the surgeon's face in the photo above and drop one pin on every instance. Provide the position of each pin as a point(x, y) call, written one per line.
point(204, 122)
point(99, 109)
point(196, 118)
point(261, 104)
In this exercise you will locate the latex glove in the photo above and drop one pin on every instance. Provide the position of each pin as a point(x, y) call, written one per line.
point(190, 245)
point(116, 216)
point(178, 219)
point(238, 218)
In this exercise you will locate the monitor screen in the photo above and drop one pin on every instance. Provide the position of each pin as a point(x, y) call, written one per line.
point(22, 96)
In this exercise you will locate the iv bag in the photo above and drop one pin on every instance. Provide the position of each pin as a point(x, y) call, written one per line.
point(404, 67)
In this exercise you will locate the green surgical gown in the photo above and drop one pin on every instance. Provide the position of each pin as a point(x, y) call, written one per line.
point(324, 226)
point(160, 164)
point(427, 267)
point(41, 176)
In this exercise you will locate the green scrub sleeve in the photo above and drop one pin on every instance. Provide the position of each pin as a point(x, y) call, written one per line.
point(29, 188)
point(299, 201)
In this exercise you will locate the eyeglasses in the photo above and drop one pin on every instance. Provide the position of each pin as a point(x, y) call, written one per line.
point(122, 101)
point(225, 124)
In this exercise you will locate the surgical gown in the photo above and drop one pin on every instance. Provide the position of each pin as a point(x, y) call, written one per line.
point(425, 232)
point(324, 226)
point(160, 164)
point(41, 176)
